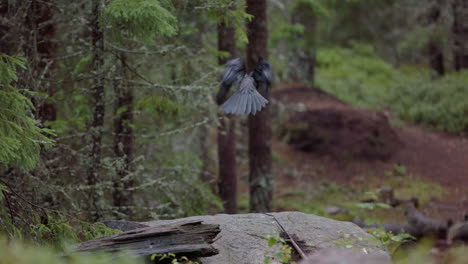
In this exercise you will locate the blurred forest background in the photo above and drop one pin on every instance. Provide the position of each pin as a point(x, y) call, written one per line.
point(107, 111)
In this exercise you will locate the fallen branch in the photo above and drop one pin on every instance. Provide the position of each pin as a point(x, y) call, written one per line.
point(293, 242)
point(422, 225)
point(418, 225)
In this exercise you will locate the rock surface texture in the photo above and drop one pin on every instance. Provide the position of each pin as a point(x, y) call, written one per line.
point(346, 256)
point(241, 239)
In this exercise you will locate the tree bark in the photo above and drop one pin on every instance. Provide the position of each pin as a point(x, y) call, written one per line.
point(436, 57)
point(46, 47)
point(190, 239)
point(260, 176)
point(123, 141)
point(460, 32)
point(305, 16)
point(227, 133)
point(97, 98)
point(39, 48)
point(4, 29)
point(206, 173)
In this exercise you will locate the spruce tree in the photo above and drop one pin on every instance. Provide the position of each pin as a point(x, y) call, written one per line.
point(130, 20)
point(96, 126)
point(227, 131)
point(260, 137)
point(460, 34)
point(20, 137)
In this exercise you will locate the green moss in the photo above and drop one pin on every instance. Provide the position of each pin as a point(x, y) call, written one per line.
point(314, 199)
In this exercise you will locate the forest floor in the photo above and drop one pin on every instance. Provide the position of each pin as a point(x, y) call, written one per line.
point(432, 166)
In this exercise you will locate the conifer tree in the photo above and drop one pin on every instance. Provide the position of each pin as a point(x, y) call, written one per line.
point(260, 176)
point(40, 48)
point(227, 131)
point(230, 17)
point(434, 49)
point(460, 32)
point(304, 14)
point(98, 109)
point(20, 137)
point(123, 139)
point(143, 20)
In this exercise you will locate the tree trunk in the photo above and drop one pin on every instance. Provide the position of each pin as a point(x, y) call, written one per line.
point(123, 142)
point(227, 133)
point(260, 176)
point(436, 57)
point(39, 48)
point(206, 174)
point(460, 32)
point(5, 42)
point(305, 16)
point(46, 47)
point(97, 98)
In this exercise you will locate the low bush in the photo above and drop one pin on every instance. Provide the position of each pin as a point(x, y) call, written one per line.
point(358, 76)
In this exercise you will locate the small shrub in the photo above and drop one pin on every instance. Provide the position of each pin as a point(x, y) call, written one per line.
point(390, 240)
point(280, 252)
point(358, 76)
point(171, 258)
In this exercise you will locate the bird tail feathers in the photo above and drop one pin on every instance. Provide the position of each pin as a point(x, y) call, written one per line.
point(242, 103)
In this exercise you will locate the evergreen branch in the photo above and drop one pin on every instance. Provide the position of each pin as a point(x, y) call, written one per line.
point(26, 200)
point(162, 51)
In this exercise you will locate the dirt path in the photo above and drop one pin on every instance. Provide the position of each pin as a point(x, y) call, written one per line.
point(433, 156)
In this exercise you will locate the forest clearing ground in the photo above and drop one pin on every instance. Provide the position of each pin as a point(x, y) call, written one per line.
point(431, 165)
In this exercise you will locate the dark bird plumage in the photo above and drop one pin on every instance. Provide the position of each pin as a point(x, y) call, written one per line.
point(246, 100)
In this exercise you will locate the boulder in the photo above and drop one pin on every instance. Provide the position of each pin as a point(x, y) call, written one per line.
point(242, 236)
point(123, 226)
point(346, 256)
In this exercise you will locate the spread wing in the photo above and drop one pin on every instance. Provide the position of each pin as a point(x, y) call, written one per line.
point(235, 70)
point(246, 100)
point(262, 73)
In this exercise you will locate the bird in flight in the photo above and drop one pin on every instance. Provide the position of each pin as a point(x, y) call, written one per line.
point(246, 100)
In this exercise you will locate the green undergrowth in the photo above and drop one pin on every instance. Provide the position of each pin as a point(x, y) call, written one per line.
point(316, 198)
point(279, 250)
point(16, 252)
point(420, 253)
point(57, 232)
point(414, 93)
point(53, 243)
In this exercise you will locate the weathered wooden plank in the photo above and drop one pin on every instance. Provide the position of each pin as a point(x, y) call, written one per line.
point(186, 238)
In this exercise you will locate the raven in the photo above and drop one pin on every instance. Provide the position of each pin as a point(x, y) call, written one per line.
point(246, 100)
